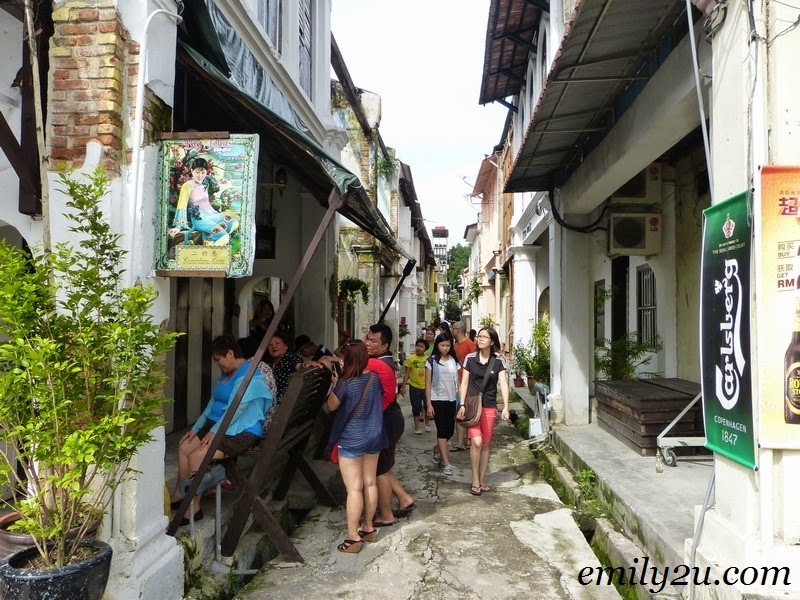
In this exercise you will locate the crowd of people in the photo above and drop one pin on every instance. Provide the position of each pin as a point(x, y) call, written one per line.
point(447, 365)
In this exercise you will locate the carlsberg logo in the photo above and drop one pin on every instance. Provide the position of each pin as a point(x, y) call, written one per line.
point(731, 366)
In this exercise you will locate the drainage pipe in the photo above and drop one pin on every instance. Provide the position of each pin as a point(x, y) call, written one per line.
point(134, 213)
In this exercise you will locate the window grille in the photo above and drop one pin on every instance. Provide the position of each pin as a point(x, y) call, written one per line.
point(646, 305)
point(305, 46)
point(269, 17)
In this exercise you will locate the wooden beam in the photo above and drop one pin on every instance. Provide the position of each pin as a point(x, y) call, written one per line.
point(13, 151)
point(350, 91)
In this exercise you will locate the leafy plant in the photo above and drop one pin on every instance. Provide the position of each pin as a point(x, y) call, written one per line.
point(587, 480)
point(350, 288)
point(624, 358)
point(539, 359)
point(402, 330)
point(388, 165)
point(79, 377)
point(487, 321)
point(520, 357)
point(473, 291)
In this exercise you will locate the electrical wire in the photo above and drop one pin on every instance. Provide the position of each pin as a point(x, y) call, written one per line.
point(579, 229)
point(785, 31)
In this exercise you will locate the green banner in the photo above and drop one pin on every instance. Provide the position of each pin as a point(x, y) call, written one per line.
point(725, 330)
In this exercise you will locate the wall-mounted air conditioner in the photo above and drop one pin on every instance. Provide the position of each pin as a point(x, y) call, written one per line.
point(644, 188)
point(634, 234)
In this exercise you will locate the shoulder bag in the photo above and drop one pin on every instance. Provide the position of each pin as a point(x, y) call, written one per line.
point(335, 449)
point(473, 405)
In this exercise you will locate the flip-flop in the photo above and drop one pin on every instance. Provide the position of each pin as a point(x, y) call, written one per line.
point(486, 488)
point(475, 490)
point(383, 523)
point(456, 449)
point(403, 512)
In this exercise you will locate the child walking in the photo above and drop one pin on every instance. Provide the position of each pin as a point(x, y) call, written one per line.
point(415, 374)
point(441, 386)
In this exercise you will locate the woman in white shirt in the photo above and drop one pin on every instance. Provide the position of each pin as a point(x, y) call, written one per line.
point(441, 386)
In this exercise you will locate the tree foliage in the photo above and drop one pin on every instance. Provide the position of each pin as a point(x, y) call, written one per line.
point(457, 261)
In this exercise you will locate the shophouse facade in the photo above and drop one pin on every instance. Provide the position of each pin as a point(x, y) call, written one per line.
point(117, 77)
point(607, 109)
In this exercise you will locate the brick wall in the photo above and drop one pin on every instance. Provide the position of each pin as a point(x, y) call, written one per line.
point(94, 65)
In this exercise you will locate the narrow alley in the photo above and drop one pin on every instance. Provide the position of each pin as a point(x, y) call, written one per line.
point(517, 541)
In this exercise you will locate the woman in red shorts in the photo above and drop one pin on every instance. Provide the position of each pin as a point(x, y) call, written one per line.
point(480, 435)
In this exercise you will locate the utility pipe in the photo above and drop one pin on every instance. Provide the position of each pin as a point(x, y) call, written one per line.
point(134, 214)
point(135, 204)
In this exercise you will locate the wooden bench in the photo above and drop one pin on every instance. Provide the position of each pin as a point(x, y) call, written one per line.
point(637, 411)
point(286, 438)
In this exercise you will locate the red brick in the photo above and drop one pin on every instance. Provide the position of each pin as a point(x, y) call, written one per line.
point(70, 63)
point(57, 141)
point(61, 74)
point(77, 130)
point(71, 84)
point(88, 14)
point(57, 96)
point(87, 119)
point(86, 95)
point(78, 28)
point(107, 27)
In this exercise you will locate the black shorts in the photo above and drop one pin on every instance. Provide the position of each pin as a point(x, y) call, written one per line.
point(395, 424)
point(444, 414)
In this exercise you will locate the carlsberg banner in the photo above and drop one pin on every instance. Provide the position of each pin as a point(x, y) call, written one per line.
point(725, 331)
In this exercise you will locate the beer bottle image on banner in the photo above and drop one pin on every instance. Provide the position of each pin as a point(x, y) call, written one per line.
point(791, 367)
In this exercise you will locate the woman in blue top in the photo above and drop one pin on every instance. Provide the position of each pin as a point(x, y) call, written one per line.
point(358, 432)
point(441, 387)
point(247, 426)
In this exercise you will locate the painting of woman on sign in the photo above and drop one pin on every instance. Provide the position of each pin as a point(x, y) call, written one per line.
point(207, 189)
point(195, 213)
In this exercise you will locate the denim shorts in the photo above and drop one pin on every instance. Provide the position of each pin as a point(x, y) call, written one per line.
point(347, 454)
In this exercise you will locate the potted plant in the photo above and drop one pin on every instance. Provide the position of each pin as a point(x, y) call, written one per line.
point(520, 355)
point(353, 288)
point(624, 358)
point(79, 393)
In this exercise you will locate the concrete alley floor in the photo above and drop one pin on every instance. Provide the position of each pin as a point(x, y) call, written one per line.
point(517, 541)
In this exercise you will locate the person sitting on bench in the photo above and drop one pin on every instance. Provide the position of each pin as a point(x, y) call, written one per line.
point(244, 431)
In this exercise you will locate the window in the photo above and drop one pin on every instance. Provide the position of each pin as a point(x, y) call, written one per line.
point(269, 17)
point(305, 46)
point(646, 305)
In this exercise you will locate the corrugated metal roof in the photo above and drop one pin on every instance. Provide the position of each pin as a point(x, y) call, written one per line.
point(509, 39)
point(604, 49)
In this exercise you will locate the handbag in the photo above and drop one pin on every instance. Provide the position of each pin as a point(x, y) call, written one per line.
point(473, 405)
point(335, 449)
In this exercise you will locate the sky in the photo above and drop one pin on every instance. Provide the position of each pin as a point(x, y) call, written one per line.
point(425, 60)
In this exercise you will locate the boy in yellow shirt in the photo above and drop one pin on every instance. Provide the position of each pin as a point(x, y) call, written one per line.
point(415, 374)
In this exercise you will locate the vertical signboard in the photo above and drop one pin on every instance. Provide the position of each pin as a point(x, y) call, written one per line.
point(779, 308)
point(725, 330)
point(205, 219)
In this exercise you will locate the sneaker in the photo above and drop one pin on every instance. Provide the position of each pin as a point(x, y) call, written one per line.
point(417, 432)
point(428, 428)
point(448, 470)
point(437, 457)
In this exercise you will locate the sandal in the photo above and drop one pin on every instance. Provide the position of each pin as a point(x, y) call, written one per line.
point(485, 488)
point(402, 512)
point(383, 523)
point(350, 546)
point(456, 448)
point(475, 490)
point(368, 536)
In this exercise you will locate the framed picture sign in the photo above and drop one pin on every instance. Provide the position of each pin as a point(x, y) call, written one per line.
point(205, 217)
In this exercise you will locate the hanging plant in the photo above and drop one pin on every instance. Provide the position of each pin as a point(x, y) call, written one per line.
point(403, 331)
point(388, 165)
point(350, 288)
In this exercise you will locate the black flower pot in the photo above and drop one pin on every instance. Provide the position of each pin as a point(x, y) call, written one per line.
point(85, 580)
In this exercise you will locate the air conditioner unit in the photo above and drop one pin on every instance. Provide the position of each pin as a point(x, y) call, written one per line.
point(634, 234)
point(644, 188)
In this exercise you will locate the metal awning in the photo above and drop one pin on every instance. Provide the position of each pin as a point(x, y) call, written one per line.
point(307, 160)
point(609, 50)
point(510, 36)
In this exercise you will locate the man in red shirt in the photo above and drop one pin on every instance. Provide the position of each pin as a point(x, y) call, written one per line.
point(381, 362)
point(463, 346)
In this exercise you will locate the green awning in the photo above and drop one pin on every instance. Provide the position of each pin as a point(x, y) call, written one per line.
point(307, 160)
